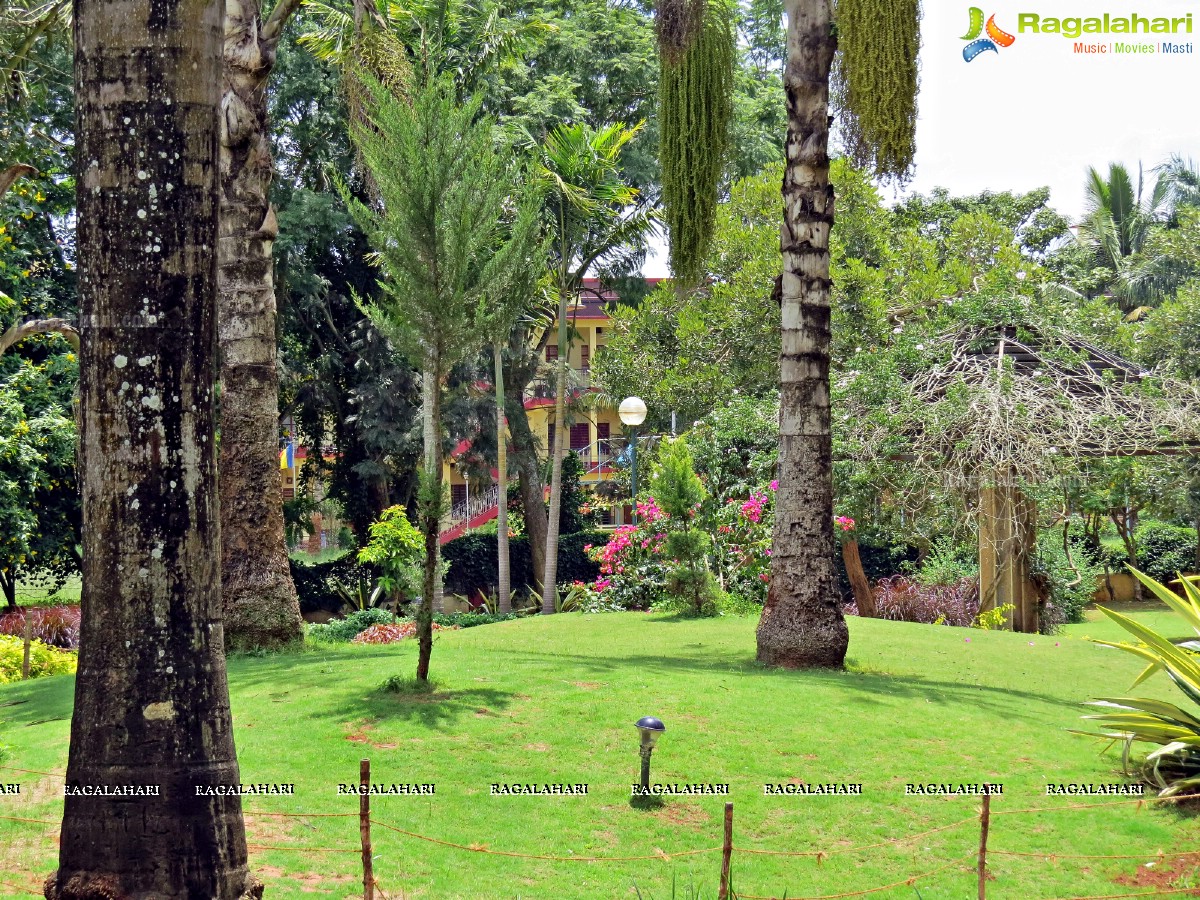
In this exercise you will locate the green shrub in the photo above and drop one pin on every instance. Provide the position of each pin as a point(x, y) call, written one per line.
point(471, 619)
point(342, 630)
point(1165, 550)
point(947, 563)
point(317, 583)
point(43, 659)
point(473, 564)
point(1068, 592)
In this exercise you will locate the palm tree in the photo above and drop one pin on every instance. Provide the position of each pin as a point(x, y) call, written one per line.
point(596, 220)
point(802, 623)
point(1119, 219)
point(448, 243)
point(1182, 178)
point(520, 300)
point(259, 599)
point(151, 698)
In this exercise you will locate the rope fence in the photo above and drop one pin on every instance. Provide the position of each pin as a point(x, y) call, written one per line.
point(978, 858)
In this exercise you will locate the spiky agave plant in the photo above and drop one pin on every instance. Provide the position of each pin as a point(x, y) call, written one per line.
point(1173, 768)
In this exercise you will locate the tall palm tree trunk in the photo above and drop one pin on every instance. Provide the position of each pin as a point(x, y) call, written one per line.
point(561, 436)
point(504, 576)
point(151, 698)
point(802, 623)
point(430, 517)
point(530, 483)
point(259, 599)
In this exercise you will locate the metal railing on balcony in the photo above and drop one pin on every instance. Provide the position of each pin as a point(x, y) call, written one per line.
point(472, 507)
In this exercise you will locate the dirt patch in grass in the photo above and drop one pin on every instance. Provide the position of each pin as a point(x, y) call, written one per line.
point(689, 815)
point(267, 830)
point(537, 748)
point(362, 735)
point(589, 685)
point(1171, 873)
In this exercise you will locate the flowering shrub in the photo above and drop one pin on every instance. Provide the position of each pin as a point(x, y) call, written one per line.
point(633, 571)
point(57, 626)
point(902, 599)
point(389, 634)
point(43, 659)
point(742, 543)
point(585, 598)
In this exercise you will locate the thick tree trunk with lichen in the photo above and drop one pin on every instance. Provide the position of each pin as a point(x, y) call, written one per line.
point(151, 699)
point(802, 623)
point(260, 604)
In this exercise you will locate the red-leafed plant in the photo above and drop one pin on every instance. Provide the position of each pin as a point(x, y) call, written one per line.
point(57, 626)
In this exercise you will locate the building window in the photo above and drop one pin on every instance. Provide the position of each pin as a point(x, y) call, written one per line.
point(458, 493)
point(551, 352)
point(585, 355)
point(550, 438)
point(579, 436)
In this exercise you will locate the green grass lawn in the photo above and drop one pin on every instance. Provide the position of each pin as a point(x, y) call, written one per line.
point(554, 700)
point(29, 594)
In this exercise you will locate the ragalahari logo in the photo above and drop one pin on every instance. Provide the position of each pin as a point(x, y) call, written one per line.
point(994, 36)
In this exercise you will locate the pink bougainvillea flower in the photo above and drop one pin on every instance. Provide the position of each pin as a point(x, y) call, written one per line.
point(775, 484)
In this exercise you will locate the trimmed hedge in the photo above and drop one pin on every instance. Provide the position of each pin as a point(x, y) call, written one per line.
point(314, 581)
point(474, 559)
point(1165, 550)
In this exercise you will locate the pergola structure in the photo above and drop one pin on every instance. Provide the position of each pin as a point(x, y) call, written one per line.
point(1013, 406)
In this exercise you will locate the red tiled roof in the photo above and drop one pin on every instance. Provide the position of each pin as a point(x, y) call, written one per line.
point(593, 298)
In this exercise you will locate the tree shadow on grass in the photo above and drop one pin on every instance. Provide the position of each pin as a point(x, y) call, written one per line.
point(37, 701)
point(437, 709)
point(874, 688)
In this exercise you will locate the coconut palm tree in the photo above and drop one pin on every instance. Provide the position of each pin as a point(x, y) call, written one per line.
point(1121, 214)
point(802, 623)
point(599, 221)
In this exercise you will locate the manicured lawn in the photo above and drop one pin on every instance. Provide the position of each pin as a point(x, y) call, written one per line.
point(554, 700)
point(28, 594)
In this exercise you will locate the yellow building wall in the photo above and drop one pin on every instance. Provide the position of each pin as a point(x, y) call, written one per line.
point(592, 333)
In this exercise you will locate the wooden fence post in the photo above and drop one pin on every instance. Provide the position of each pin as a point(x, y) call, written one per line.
point(726, 853)
point(26, 644)
point(984, 818)
point(364, 827)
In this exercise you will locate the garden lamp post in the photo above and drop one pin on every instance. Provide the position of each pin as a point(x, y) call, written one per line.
point(649, 728)
point(633, 413)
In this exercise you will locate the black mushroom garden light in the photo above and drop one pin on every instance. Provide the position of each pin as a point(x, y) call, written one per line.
point(649, 728)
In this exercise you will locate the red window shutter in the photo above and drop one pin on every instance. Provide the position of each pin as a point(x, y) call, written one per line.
point(585, 351)
point(550, 438)
point(602, 430)
point(579, 436)
point(551, 352)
